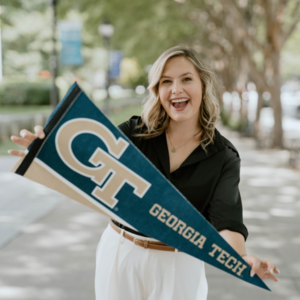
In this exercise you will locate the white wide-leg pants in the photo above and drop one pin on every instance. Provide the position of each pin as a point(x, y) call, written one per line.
point(125, 271)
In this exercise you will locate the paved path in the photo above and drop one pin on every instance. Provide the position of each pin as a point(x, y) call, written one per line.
point(21, 201)
point(271, 199)
point(52, 257)
point(52, 253)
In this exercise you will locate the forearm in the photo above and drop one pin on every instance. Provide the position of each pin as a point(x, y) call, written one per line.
point(236, 240)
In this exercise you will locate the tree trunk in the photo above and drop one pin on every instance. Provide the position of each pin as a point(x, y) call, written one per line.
point(276, 102)
point(241, 87)
point(257, 133)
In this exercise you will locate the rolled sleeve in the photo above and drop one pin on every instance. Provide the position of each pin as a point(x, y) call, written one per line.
point(129, 127)
point(225, 210)
point(126, 128)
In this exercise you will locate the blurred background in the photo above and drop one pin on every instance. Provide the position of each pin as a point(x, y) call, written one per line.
point(47, 247)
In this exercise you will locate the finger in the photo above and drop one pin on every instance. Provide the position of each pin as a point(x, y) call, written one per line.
point(249, 259)
point(276, 270)
point(255, 266)
point(268, 275)
point(20, 141)
point(39, 131)
point(16, 152)
point(270, 265)
point(27, 135)
point(264, 266)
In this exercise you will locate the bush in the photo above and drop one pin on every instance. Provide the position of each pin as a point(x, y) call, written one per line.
point(225, 116)
point(236, 124)
point(232, 123)
point(25, 93)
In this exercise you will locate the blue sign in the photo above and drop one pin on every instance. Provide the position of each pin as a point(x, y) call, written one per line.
point(87, 158)
point(115, 63)
point(70, 37)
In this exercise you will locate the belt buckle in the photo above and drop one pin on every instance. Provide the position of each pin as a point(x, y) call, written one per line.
point(145, 242)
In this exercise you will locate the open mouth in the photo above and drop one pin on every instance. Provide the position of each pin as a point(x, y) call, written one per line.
point(180, 103)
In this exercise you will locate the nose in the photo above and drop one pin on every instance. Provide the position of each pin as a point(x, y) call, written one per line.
point(176, 88)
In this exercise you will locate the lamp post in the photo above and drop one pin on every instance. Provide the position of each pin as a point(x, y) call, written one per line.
point(106, 30)
point(53, 57)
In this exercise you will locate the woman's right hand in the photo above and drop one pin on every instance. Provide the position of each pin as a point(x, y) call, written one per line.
point(26, 139)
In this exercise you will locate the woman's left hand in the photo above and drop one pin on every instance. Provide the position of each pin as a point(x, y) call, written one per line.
point(264, 268)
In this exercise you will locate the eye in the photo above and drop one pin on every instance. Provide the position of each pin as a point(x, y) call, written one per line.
point(166, 81)
point(187, 79)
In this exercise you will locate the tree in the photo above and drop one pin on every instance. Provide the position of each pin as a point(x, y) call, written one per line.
point(242, 39)
point(257, 30)
point(24, 46)
point(143, 29)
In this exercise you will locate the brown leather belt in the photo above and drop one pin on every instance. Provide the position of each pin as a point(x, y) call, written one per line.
point(142, 243)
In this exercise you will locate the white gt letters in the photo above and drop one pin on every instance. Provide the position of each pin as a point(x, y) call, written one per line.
point(99, 174)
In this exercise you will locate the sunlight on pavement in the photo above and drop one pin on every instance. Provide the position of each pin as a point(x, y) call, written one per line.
point(7, 292)
point(15, 293)
point(90, 219)
point(285, 198)
point(23, 203)
point(265, 182)
point(247, 214)
point(61, 238)
point(278, 212)
point(290, 190)
point(267, 242)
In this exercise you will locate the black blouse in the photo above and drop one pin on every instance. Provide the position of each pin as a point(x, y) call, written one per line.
point(208, 180)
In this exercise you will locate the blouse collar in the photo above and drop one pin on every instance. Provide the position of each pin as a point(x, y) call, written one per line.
point(161, 148)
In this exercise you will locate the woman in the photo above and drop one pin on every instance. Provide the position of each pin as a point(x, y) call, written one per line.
point(177, 133)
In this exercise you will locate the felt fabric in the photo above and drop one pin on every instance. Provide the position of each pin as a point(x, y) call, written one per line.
point(208, 180)
point(94, 160)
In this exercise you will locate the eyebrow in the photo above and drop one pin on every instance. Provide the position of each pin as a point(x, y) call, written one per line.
point(165, 76)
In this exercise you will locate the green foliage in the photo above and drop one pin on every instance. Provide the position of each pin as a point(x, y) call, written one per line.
point(11, 3)
point(8, 145)
point(132, 74)
point(232, 123)
point(25, 93)
point(25, 38)
point(236, 124)
point(39, 5)
point(116, 117)
point(28, 109)
point(291, 57)
point(143, 29)
point(225, 116)
point(123, 115)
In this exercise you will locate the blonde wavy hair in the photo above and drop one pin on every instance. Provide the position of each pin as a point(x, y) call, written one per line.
point(155, 120)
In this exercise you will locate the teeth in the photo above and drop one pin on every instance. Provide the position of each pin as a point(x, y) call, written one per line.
point(179, 100)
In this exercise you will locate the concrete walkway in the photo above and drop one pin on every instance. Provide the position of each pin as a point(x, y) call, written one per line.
point(49, 241)
point(271, 200)
point(20, 201)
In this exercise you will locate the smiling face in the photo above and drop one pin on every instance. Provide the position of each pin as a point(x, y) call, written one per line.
point(180, 90)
